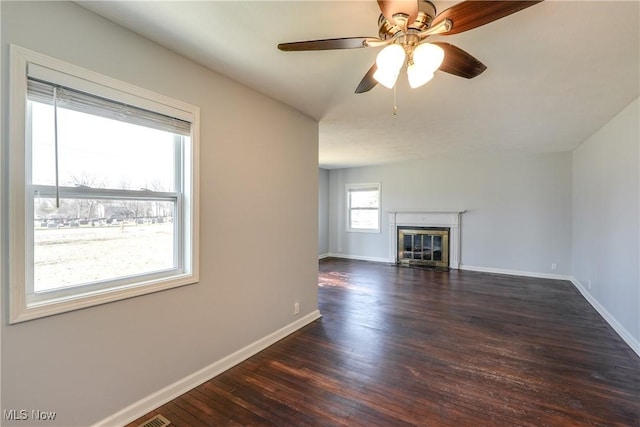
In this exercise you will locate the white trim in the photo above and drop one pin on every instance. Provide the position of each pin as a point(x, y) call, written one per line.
point(374, 186)
point(170, 392)
point(21, 306)
point(608, 317)
point(174, 390)
point(323, 256)
point(620, 330)
point(48, 69)
point(515, 272)
point(428, 218)
point(37, 310)
point(359, 257)
point(16, 233)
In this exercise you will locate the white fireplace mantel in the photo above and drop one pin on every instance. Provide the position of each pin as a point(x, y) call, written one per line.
point(450, 219)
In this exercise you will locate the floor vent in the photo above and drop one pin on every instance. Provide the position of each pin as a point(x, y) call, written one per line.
point(157, 421)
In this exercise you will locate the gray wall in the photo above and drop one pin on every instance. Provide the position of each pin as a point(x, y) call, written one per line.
point(323, 212)
point(606, 218)
point(579, 210)
point(258, 184)
point(518, 207)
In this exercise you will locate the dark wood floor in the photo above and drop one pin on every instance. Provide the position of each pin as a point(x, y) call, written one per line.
point(408, 346)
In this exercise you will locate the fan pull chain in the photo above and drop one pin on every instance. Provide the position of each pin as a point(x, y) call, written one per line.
point(395, 104)
point(55, 132)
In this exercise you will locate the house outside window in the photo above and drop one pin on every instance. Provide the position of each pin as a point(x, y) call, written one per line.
point(363, 207)
point(104, 189)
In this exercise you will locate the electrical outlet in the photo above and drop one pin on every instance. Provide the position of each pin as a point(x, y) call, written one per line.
point(296, 307)
point(589, 284)
point(554, 266)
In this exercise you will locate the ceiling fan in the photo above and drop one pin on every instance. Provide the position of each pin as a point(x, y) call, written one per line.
point(404, 27)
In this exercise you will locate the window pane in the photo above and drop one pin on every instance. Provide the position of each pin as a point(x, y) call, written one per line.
point(437, 248)
point(407, 245)
point(87, 241)
point(98, 152)
point(364, 199)
point(364, 218)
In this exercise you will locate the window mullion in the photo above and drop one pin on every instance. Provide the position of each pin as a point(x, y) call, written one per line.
point(103, 193)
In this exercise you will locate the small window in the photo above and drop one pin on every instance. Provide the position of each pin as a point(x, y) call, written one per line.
point(363, 207)
point(105, 189)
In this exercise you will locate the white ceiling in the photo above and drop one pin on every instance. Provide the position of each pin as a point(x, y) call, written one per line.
point(557, 72)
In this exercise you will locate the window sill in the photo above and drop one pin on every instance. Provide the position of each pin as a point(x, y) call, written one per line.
point(23, 311)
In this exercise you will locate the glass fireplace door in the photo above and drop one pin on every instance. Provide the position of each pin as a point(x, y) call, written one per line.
point(423, 246)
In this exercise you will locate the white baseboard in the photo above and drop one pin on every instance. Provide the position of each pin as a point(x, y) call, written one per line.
point(515, 272)
point(323, 256)
point(360, 258)
point(159, 398)
point(170, 392)
point(620, 330)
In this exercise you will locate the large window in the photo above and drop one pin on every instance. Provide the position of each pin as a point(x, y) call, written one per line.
point(363, 207)
point(103, 189)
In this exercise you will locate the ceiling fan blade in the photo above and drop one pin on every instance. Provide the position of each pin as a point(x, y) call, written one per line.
point(368, 82)
point(391, 7)
point(458, 62)
point(471, 14)
point(327, 44)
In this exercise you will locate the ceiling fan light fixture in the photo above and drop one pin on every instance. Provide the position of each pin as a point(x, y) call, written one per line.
point(418, 76)
point(427, 56)
point(405, 25)
point(389, 62)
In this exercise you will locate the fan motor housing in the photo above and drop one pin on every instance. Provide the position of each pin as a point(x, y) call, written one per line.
point(426, 14)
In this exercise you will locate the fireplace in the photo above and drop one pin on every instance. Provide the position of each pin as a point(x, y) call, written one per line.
point(425, 223)
point(423, 246)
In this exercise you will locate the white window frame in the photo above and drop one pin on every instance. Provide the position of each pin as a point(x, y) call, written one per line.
point(23, 305)
point(363, 187)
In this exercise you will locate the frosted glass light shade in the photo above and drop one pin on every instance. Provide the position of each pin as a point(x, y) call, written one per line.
point(418, 76)
point(389, 62)
point(427, 56)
